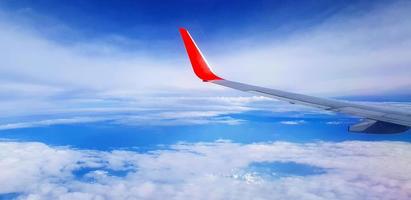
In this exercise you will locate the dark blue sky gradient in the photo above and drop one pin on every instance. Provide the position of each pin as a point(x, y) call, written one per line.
point(158, 20)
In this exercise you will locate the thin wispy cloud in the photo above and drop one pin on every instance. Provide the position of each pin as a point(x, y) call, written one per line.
point(152, 111)
point(351, 53)
point(334, 122)
point(295, 122)
point(167, 111)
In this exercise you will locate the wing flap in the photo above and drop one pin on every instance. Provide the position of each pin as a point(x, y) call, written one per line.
point(377, 127)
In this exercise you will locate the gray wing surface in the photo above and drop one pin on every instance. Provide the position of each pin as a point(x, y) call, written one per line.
point(379, 120)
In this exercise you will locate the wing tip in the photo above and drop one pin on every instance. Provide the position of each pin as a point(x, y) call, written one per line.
point(198, 62)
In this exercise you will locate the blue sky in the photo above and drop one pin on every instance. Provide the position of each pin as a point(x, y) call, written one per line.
point(99, 101)
point(148, 21)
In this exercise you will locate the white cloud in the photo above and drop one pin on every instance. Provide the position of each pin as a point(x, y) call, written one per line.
point(334, 122)
point(49, 122)
point(180, 118)
point(295, 122)
point(354, 170)
point(137, 119)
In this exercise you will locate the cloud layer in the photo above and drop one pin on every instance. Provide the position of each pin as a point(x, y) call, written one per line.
point(166, 111)
point(154, 111)
point(353, 170)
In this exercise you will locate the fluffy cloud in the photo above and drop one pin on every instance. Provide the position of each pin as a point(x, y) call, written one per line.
point(352, 170)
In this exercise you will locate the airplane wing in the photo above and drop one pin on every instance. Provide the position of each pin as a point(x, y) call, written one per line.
point(377, 120)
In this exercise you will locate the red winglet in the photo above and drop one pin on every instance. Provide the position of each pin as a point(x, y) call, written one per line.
point(199, 63)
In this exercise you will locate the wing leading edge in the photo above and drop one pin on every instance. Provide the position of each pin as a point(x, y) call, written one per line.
point(377, 119)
